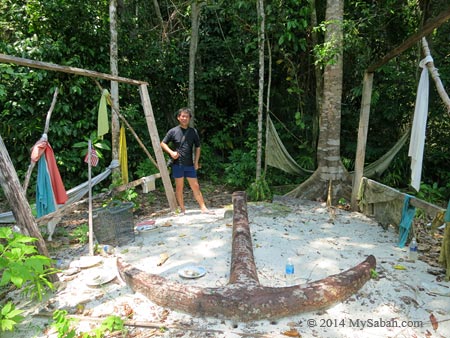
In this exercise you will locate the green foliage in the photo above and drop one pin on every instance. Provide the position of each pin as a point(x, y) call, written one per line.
point(432, 194)
point(98, 144)
point(77, 34)
point(9, 317)
point(110, 324)
point(81, 233)
point(259, 190)
point(240, 170)
point(374, 274)
point(146, 168)
point(22, 267)
point(65, 326)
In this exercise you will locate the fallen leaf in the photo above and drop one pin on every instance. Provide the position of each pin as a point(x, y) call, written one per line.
point(291, 333)
point(434, 322)
point(163, 258)
point(399, 267)
point(164, 314)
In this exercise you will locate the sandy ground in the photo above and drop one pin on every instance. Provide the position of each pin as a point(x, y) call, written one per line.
point(404, 302)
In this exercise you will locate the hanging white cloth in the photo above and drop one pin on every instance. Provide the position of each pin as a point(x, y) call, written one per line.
point(417, 142)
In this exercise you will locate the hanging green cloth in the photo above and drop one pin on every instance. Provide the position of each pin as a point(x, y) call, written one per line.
point(103, 123)
point(408, 213)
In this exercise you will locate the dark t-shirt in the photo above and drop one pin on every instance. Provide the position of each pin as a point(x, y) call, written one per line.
point(191, 139)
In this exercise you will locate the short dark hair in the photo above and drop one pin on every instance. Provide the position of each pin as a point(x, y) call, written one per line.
point(184, 110)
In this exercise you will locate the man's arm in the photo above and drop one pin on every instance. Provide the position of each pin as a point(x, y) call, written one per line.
point(197, 158)
point(166, 148)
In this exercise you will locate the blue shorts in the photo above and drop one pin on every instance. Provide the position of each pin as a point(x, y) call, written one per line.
point(179, 171)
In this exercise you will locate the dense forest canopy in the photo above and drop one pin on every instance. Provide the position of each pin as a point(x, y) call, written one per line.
point(154, 47)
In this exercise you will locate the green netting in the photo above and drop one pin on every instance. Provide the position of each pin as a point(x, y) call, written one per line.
point(277, 156)
point(381, 202)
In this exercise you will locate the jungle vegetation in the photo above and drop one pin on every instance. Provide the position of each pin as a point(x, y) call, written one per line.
point(153, 46)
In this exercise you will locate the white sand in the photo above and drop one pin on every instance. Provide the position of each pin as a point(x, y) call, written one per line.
point(399, 304)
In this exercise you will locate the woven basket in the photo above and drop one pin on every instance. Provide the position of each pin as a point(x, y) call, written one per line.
point(114, 224)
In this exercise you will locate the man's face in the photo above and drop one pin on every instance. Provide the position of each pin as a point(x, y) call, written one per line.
point(184, 119)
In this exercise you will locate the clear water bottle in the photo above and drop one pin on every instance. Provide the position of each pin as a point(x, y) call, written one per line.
point(413, 253)
point(289, 271)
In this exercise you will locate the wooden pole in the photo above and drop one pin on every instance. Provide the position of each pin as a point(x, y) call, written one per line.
point(362, 137)
point(46, 128)
point(427, 29)
point(435, 76)
point(153, 131)
point(64, 69)
point(90, 223)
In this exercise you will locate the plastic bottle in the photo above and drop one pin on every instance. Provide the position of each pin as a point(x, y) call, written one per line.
point(289, 271)
point(413, 253)
point(107, 250)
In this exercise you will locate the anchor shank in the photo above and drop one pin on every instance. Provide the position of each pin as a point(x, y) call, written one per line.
point(243, 267)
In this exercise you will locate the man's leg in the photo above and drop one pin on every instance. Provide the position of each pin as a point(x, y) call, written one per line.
point(193, 182)
point(179, 186)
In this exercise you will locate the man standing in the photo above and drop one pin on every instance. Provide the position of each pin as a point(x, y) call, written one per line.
point(185, 165)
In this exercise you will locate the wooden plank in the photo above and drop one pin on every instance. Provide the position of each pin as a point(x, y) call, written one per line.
point(156, 143)
point(137, 182)
point(65, 69)
point(362, 137)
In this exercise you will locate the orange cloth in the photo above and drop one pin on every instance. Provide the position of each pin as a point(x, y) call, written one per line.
point(43, 147)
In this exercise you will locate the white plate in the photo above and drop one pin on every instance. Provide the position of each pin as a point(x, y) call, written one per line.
point(101, 278)
point(192, 272)
point(145, 228)
point(89, 261)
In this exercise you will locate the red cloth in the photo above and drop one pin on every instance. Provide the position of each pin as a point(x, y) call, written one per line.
point(43, 147)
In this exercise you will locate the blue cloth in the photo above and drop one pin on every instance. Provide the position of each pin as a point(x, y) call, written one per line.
point(447, 213)
point(408, 213)
point(45, 199)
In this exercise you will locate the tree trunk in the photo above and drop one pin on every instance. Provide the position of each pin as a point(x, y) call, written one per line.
point(331, 180)
point(319, 79)
point(195, 23)
point(244, 299)
point(261, 43)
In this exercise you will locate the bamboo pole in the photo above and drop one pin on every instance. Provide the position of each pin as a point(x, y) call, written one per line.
point(46, 127)
point(151, 124)
point(65, 69)
point(435, 76)
point(428, 28)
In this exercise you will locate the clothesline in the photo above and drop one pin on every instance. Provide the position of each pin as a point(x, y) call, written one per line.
point(75, 194)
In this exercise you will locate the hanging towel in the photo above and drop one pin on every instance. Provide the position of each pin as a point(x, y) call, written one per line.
point(417, 142)
point(408, 213)
point(103, 123)
point(45, 199)
point(43, 147)
point(123, 155)
point(447, 213)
